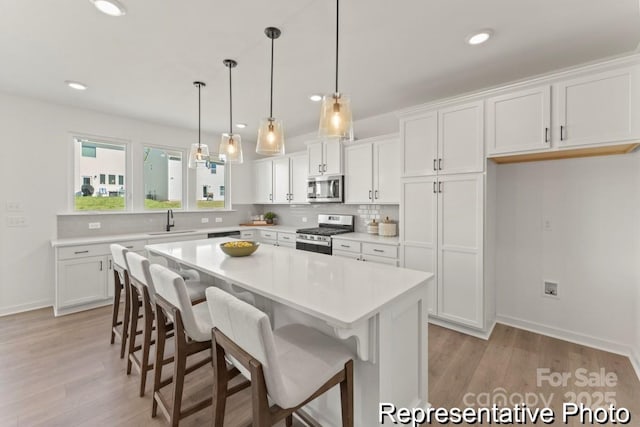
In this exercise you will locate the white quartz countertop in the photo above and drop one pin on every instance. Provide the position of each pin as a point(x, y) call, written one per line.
point(151, 235)
point(368, 238)
point(340, 291)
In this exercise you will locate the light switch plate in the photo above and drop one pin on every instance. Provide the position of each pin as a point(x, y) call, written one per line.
point(94, 225)
point(218, 219)
point(204, 220)
point(16, 221)
point(13, 206)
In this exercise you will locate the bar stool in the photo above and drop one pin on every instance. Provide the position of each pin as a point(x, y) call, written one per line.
point(192, 333)
point(143, 296)
point(291, 366)
point(120, 328)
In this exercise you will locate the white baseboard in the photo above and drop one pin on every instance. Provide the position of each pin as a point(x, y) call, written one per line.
point(478, 333)
point(562, 334)
point(635, 361)
point(21, 308)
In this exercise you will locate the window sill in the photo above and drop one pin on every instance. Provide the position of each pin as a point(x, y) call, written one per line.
point(147, 212)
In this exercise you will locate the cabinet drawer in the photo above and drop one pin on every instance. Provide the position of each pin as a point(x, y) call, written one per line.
point(380, 250)
point(286, 238)
point(346, 245)
point(82, 251)
point(248, 234)
point(345, 254)
point(268, 235)
point(287, 245)
point(380, 260)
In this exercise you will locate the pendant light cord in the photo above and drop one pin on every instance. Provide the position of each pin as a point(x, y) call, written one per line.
point(230, 105)
point(199, 115)
point(271, 99)
point(337, 38)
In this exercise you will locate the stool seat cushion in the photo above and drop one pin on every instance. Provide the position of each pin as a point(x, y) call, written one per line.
point(203, 321)
point(196, 289)
point(308, 359)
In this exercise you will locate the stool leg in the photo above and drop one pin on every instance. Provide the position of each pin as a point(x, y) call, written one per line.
point(146, 346)
point(219, 385)
point(161, 336)
point(135, 312)
point(289, 421)
point(127, 317)
point(180, 365)
point(346, 395)
point(116, 305)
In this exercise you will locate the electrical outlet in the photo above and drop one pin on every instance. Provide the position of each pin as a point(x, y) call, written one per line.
point(551, 289)
point(14, 206)
point(304, 219)
point(547, 225)
point(204, 220)
point(218, 219)
point(16, 221)
point(94, 225)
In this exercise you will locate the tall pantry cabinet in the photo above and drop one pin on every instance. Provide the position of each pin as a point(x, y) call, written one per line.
point(442, 212)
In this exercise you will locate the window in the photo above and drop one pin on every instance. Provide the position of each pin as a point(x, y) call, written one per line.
point(210, 186)
point(93, 159)
point(88, 150)
point(120, 179)
point(112, 180)
point(162, 178)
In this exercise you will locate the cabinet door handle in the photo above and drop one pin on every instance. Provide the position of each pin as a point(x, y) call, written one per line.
point(439, 164)
point(546, 134)
point(129, 247)
point(440, 187)
point(561, 133)
point(110, 265)
point(324, 169)
point(378, 250)
point(435, 166)
point(320, 168)
point(270, 196)
point(81, 252)
point(345, 246)
point(100, 265)
point(376, 194)
point(435, 189)
point(370, 195)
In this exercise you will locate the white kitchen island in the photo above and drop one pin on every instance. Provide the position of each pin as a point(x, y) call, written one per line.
point(380, 311)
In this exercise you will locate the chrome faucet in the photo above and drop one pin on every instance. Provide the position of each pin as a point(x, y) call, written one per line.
point(170, 222)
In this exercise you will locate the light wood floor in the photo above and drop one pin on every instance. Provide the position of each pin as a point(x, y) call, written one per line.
point(63, 372)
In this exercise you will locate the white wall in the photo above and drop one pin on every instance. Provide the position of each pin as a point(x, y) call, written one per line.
point(591, 248)
point(35, 134)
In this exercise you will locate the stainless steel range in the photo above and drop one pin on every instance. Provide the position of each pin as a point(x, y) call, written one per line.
point(319, 239)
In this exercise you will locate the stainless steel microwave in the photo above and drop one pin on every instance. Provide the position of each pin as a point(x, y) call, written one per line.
point(325, 189)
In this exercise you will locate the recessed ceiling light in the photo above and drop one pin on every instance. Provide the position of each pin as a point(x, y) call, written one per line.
point(315, 97)
point(109, 7)
point(241, 125)
point(479, 37)
point(76, 85)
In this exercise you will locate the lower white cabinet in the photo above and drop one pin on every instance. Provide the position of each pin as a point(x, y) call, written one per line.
point(81, 281)
point(286, 239)
point(442, 232)
point(248, 234)
point(366, 252)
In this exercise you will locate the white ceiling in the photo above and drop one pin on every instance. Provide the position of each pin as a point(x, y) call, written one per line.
point(394, 54)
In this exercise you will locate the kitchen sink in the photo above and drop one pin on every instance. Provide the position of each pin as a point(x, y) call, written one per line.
point(162, 233)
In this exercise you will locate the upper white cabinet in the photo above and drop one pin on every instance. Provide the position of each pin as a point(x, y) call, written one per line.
point(281, 180)
point(263, 176)
point(325, 157)
point(449, 140)
point(372, 171)
point(519, 121)
point(598, 108)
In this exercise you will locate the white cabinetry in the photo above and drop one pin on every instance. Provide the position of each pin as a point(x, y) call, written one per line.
point(598, 108)
point(263, 175)
point(449, 140)
point(519, 121)
point(281, 180)
point(442, 232)
point(372, 171)
point(286, 239)
point(366, 252)
point(325, 158)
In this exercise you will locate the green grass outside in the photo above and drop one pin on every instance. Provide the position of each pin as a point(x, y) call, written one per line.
point(99, 203)
point(210, 204)
point(162, 204)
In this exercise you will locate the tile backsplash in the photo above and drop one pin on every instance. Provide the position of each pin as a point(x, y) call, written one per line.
point(294, 215)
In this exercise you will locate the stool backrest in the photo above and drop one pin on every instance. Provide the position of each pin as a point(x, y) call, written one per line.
point(138, 267)
point(248, 328)
point(170, 286)
point(118, 253)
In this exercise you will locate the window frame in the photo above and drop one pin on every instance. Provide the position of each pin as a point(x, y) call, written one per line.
point(71, 174)
point(185, 187)
point(227, 195)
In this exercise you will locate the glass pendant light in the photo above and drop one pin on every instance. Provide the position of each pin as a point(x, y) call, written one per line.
point(271, 132)
point(230, 150)
point(199, 153)
point(335, 115)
